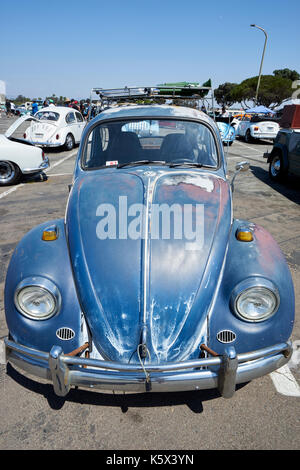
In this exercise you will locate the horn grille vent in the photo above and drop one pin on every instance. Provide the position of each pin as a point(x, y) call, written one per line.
point(65, 333)
point(226, 336)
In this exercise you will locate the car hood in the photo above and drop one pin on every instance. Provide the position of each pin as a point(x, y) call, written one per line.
point(162, 278)
point(17, 123)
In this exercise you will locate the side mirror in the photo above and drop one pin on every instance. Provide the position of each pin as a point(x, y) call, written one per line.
point(241, 166)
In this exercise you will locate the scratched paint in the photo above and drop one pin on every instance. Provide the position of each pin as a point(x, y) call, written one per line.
point(181, 283)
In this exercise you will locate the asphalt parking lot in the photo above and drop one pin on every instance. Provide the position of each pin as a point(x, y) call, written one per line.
point(263, 414)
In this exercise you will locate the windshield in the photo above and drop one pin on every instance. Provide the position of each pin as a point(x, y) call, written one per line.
point(168, 141)
point(47, 116)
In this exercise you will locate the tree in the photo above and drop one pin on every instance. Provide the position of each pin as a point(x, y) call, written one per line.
point(287, 73)
point(223, 94)
point(272, 90)
point(20, 99)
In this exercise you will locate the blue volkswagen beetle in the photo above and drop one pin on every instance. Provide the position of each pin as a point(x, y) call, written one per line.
point(227, 131)
point(148, 283)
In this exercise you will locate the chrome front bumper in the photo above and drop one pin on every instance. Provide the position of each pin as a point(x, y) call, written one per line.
point(222, 372)
point(43, 166)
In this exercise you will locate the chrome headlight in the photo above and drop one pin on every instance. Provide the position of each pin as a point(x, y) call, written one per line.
point(256, 302)
point(37, 298)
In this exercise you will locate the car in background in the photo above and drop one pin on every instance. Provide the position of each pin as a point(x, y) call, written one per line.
point(258, 127)
point(21, 110)
point(18, 157)
point(284, 158)
point(241, 116)
point(56, 126)
point(227, 130)
point(117, 296)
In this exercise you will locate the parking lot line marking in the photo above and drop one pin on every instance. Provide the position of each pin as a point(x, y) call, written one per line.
point(14, 188)
point(284, 382)
point(251, 157)
point(60, 161)
point(11, 190)
point(247, 146)
point(60, 174)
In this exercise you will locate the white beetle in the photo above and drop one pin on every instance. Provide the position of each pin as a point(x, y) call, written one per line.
point(257, 127)
point(56, 126)
point(17, 157)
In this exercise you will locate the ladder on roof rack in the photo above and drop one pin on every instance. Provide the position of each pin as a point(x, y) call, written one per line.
point(180, 90)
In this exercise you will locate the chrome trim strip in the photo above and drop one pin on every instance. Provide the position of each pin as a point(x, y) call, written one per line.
point(44, 144)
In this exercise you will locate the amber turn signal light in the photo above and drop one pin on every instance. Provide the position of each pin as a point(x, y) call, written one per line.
point(244, 235)
point(50, 234)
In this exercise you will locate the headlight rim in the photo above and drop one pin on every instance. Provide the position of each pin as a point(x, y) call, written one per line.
point(247, 285)
point(44, 284)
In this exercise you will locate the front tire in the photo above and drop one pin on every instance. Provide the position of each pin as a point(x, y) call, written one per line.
point(9, 173)
point(70, 142)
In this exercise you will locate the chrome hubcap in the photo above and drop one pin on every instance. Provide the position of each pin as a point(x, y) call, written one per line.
point(275, 166)
point(7, 171)
point(69, 141)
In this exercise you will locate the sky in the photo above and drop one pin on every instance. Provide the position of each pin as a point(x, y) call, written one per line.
point(67, 47)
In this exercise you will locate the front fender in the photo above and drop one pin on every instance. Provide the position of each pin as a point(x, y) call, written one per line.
point(260, 258)
point(35, 257)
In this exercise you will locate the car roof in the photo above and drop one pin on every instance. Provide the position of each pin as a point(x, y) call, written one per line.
point(62, 110)
point(151, 111)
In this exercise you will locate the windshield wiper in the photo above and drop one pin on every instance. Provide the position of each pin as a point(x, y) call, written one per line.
point(141, 162)
point(197, 165)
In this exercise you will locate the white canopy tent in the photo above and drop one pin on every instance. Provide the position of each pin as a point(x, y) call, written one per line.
point(286, 103)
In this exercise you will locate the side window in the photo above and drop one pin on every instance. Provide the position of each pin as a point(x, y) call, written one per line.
point(79, 117)
point(95, 151)
point(70, 118)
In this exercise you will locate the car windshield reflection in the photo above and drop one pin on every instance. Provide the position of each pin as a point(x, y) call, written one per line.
point(171, 142)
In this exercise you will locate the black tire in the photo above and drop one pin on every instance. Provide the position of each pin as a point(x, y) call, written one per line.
point(10, 173)
point(70, 142)
point(277, 172)
point(248, 137)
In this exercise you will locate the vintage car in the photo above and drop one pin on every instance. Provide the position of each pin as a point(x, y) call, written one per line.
point(148, 283)
point(24, 108)
point(227, 130)
point(56, 126)
point(18, 157)
point(284, 159)
point(258, 127)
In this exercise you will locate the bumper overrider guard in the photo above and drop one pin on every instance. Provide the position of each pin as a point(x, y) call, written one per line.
point(65, 370)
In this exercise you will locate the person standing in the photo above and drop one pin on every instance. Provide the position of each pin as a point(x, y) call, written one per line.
point(35, 107)
point(8, 108)
point(74, 104)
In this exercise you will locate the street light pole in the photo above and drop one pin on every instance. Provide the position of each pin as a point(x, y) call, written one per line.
point(262, 59)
